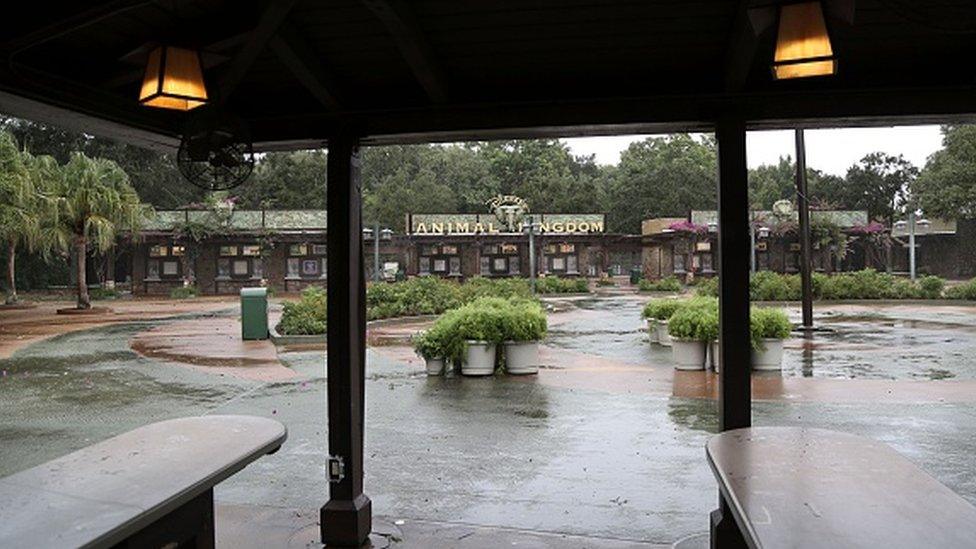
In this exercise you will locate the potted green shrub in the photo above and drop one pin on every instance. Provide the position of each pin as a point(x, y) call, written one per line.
point(479, 325)
point(769, 328)
point(428, 347)
point(652, 334)
point(687, 328)
point(709, 334)
point(524, 327)
point(661, 310)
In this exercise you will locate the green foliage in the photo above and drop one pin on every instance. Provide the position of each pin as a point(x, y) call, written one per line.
point(662, 309)
point(432, 295)
point(693, 322)
point(946, 188)
point(525, 321)
point(183, 292)
point(931, 287)
point(557, 285)
point(768, 323)
point(770, 286)
point(605, 282)
point(966, 290)
point(669, 284)
point(307, 316)
point(707, 287)
point(491, 319)
point(479, 286)
point(427, 346)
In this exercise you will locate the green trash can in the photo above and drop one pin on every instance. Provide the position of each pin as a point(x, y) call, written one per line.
point(635, 276)
point(254, 313)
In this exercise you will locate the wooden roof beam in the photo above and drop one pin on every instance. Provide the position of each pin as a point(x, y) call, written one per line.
point(750, 23)
point(409, 37)
point(271, 20)
point(294, 51)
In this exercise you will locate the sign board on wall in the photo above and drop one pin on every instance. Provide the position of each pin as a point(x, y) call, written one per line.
point(508, 215)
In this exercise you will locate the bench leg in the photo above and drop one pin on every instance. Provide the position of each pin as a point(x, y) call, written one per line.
point(190, 526)
point(723, 531)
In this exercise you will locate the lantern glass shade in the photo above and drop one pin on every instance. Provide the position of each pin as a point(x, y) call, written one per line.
point(174, 80)
point(803, 46)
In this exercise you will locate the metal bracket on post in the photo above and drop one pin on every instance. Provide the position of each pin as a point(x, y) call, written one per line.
point(336, 469)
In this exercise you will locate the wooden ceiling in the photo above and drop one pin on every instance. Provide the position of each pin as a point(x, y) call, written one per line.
point(391, 70)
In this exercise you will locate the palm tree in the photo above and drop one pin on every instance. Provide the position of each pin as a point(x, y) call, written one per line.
point(19, 220)
point(95, 202)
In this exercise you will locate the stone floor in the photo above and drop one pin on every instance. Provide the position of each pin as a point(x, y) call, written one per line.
point(604, 448)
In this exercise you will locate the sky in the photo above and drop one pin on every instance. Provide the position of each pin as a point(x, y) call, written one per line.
point(832, 151)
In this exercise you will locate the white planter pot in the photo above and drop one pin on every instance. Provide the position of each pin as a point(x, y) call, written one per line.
point(688, 354)
point(770, 357)
point(479, 359)
point(435, 366)
point(713, 356)
point(663, 337)
point(652, 330)
point(522, 357)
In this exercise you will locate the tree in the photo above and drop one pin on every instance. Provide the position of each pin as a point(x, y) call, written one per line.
point(946, 187)
point(662, 176)
point(95, 202)
point(878, 183)
point(293, 180)
point(18, 222)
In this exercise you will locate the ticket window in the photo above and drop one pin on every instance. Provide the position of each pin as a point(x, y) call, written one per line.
point(240, 261)
point(500, 260)
point(306, 261)
point(439, 260)
point(165, 262)
point(562, 259)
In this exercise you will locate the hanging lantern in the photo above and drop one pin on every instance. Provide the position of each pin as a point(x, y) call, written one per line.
point(174, 80)
point(803, 46)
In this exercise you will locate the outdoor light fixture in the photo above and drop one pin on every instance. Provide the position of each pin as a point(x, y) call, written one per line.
point(174, 79)
point(803, 46)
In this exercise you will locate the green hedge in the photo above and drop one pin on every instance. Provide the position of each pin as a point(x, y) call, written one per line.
point(866, 284)
point(669, 284)
point(417, 296)
point(966, 290)
point(556, 285)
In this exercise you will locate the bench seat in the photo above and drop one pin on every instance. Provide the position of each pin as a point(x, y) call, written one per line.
point(797, 487)
point(146, 485)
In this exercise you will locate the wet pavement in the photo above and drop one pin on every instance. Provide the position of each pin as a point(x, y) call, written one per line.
point(601, 443)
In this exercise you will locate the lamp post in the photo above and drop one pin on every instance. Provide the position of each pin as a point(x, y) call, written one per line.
point(529, 227)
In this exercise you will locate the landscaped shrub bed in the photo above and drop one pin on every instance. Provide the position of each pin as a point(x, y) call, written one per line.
point(866, 284)
point(306, 316)
point(556, 285)
point(417, 296)
point(183, 292)
point(966, 290)
point(697, 319)
point(669, 284)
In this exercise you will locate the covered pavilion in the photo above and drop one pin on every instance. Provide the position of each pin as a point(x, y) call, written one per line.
point(349, 73)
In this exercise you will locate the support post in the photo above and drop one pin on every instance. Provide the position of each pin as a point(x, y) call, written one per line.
point(911, 245)
point(806, 284)
point(735, 398)
point(346, 520)
point(733, 243)
point(376, 252)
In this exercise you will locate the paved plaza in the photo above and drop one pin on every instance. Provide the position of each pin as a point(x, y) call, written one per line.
point(604, 448)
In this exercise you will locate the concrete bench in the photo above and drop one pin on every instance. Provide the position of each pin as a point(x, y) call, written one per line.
point(795, 487)
point(150, 487)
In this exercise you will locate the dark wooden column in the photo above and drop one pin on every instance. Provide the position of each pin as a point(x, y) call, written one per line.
point(347, 517)
point(806, 263)
point(735, 398)
point(735, 350)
